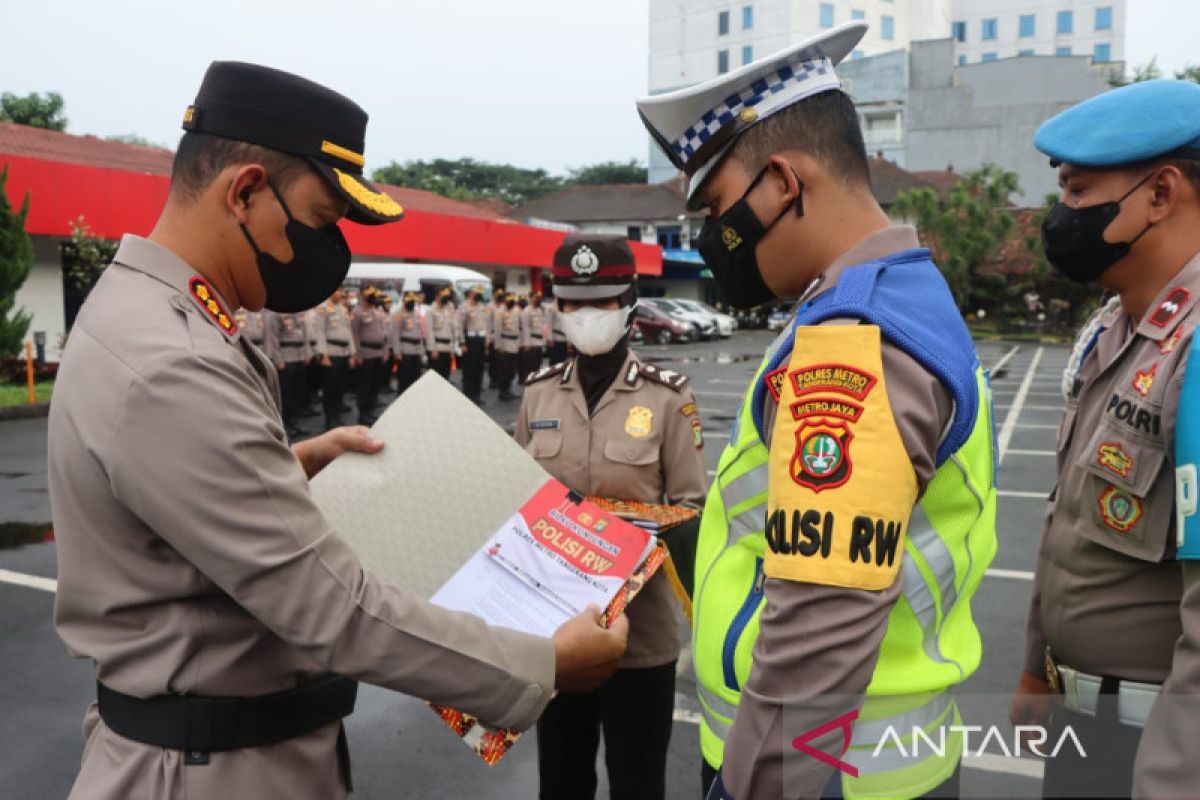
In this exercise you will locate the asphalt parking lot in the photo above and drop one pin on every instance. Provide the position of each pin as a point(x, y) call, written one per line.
point(399, 749)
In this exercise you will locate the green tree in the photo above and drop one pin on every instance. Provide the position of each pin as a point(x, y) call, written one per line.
point(1189, 73)
point(963, 229)
point(34, 110)
point(1050, 284)
point(468, 179)
point(86, 256)
point(16, 259)
point(607, 173)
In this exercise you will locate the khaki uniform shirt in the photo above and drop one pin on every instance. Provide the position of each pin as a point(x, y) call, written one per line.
point(641, 442)
point(507, 331)
point(406, 336)
point(440, 329)
point(254, 328)
point(192, 560)
point(533, 326)
point(1107, 590)
point(369, 326)
point(333, 330)
point(289, 336)
point(474, 321)
point(828, 634)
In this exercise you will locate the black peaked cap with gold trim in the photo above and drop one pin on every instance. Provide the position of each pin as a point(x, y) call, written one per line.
point(284, 112)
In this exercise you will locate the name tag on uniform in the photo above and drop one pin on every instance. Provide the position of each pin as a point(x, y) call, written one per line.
point(545, 424)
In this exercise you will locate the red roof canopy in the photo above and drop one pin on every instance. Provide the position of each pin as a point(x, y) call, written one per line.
point(120, 188)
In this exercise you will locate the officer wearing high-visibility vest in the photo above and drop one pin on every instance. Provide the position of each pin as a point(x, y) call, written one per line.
point(853, 511)
point(1112, 627)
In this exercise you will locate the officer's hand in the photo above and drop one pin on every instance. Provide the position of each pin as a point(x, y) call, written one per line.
point(326, 361)
point(317, 453)
point(353, 362)
point(279, 365)
point(1032, 704)
point(585, 654)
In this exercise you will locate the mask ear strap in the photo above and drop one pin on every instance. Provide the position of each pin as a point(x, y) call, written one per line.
point(1135, 187)
point(279, 197)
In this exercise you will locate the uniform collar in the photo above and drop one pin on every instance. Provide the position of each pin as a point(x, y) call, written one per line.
point(1173, 303)
point(889, 240)
point(151, 258)
point(629, 378)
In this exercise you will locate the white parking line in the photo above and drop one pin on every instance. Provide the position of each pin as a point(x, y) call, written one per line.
point(1027, 495)
point(1044, 426)
point(1026, 408)
point(28, 581)
point(704, 393)
point(1032, 453)
point(1014, 574)
point(986, 762)
point(1010, 421)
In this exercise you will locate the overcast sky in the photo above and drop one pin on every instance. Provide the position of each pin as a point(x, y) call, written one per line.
point(538, 83)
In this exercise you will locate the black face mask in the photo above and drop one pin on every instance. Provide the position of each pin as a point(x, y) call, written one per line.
point(1073, 238)
point(727, 243)
point(510, 304)
point(410, 305)
point(320, 261)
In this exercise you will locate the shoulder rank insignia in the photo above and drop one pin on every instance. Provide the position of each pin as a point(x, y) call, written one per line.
point(546, 372)
point(667, 377)
point(206, 298)
point(1170, 307)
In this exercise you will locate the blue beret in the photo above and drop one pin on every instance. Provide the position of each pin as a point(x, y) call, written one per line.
point(1144, 120)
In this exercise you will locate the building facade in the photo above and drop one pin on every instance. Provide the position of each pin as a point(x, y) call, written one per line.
point(988, 30)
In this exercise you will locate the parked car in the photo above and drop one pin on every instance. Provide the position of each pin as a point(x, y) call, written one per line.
point(657, 326)
point(726, 324)
point(704, 325)
point(779, 316)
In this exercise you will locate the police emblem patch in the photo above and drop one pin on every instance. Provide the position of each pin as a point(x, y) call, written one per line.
point(774, 381)
point(1112, 456)
point(697, 433)
point(838, 378)
point(730, 238)
point(822, 457)
point(584, 262)
point(1171, 341)
point(1119, 509)
point(1144, 380)
point(639, 423)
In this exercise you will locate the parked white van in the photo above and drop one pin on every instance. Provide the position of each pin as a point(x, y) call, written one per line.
point(424, 279)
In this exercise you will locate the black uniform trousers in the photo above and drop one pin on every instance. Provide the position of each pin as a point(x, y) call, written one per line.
point(634, 710)
point(291, 391)
point(1107, 769)
point(441, 364)
point(531, 360)
point(557, 352)
point(506, 370)
point(472, 366)
point(370, 372)
point(333, 386)
point(409, 371)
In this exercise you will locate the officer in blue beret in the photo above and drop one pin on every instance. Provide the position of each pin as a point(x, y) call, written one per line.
point(1114, 626)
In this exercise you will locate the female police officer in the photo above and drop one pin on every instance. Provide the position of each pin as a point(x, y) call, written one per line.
point(606, 424)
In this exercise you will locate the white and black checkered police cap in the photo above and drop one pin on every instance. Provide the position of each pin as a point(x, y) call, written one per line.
point(696, 126)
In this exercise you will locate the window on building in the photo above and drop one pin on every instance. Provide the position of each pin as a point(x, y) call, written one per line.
point(1024, 53)
point(747, 17)
point(887, 28)
point(633, 233)
point(1062, 51)
point(722, 23)
point(962, 61)
point(1104, 18)
point(959, 31)
point(987, 57)
point(826, 15)
point(1102, 53)
point(1028, 25)
point(856, 54)
point(1066, 22)
point(857, 13)
point(989, 29)
point(669, 237)
point(722, 62)
point(747, 54)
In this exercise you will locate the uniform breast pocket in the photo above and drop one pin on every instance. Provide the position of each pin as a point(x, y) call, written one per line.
point(545, 444)
point(1125, 487)
point(632, 452)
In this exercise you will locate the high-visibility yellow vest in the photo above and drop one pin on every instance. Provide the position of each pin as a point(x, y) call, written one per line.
point(931, 643)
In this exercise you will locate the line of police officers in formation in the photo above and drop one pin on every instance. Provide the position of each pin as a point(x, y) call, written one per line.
point(354, 341)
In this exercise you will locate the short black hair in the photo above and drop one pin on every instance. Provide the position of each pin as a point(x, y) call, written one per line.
point(202, 156)
point(824, 125)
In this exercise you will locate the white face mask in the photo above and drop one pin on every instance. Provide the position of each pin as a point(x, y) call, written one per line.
point(594, 331)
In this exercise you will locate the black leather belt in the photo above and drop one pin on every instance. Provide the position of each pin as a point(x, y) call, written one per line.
point(374, 345)
point(509, 336)
point(442, 341)
point(291, 344)
point(410, 341)
point(215, 724)
point(337, 343)
point(535, 336)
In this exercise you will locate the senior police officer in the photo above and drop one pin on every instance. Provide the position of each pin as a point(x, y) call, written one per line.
point(335, 348)
point(852, 516)
point(408, 343)
point(369, 327)
point(1108, 602)
point(606, 424)
point(194, 570)
point(441, 333)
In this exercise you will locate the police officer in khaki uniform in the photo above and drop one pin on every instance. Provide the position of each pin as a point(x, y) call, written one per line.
point(255, 329)
point(408, 343)
point(557, 352)
point(606, 424)
point(506, 334)
point(226, 621)
point(533, 335)
point(441, 333)
point(1109, 605)
point(475, 332)
point(497, 305)
point(336, 350)
point(369, 327)
point(289, 333)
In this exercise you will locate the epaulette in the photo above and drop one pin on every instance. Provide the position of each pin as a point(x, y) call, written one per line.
point(667, 377)
point(546, 372)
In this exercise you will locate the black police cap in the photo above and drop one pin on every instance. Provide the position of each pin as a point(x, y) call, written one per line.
point(284, 112)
